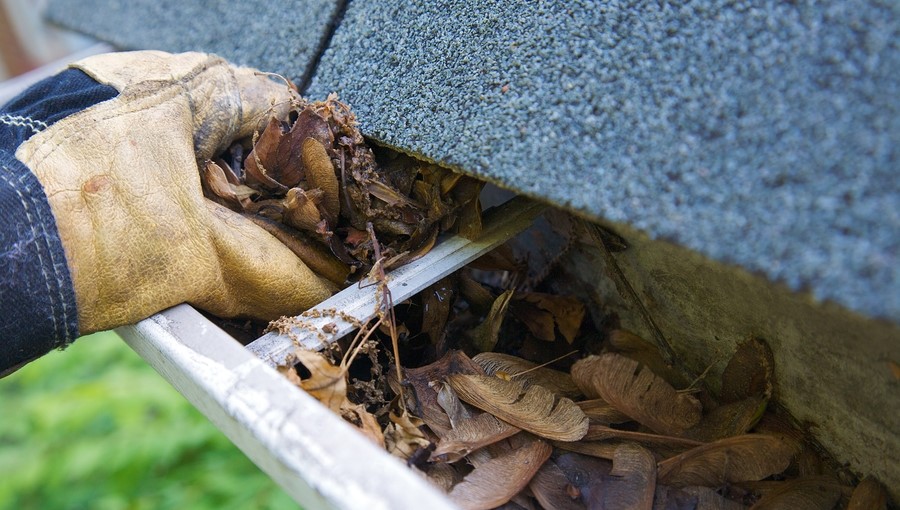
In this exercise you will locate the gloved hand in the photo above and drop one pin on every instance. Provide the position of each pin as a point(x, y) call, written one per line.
point(122, 181)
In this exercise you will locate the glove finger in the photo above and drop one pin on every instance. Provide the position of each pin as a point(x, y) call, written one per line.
point(261, 98)
point(260, 277)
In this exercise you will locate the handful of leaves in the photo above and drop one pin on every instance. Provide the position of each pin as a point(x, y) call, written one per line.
point(313, 183)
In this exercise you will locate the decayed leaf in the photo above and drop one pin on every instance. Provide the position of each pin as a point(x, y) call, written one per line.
point(631, 345)
point(496, 481)
point(637, 392)
point(422, 380)
point(558, 382)
point(436, 303)
point(630, 485)
point(813, 493)
point(301, 210)
point(749, 373)
point(868, 495)
point(320, 174)
point(543, 313)
point(310, 252)
point(469, 435)
point(402, 437)
point(600, 411)
point(450, 403)
point(735, 459)
point(484, 336)
point(327, 382)
point(552, 489)
point(364, 421)
point(534, 409)
point(263, 157)
point(728, 420)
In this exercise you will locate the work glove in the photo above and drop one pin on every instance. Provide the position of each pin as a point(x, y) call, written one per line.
point(121, 179)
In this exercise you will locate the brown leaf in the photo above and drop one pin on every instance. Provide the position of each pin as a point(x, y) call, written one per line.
point(597, 432)
point(749, 373)
point(523, 370)
point(403, 437)
point(637, 392)
point(480, 299)
point(868, 495)
point(600, 411)
point(320, 174)
point(552, 489)
point(813, 493)
point(735, 459)
point(670, 498)
point(543, 313)
point(496, 481)
point(308, 250)
point(364, 421)
point(423, 379)
point(437, 301)
point(290, 169)
point(729, 420)
point(262, 159)
point(484, 336)
point(469, 435)
point(451, 404)
point(630, 485)
point(214, 178)
point(327, 383)
point(301, 210)
point(534, 409)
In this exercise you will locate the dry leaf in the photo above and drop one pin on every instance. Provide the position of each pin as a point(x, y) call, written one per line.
point(670, 498)
point(600, 450)
point(327, 382)
point(364, 421)
point(543, 313)
point(552, 489)
point(630, 485)
point(637, 392)
point(600, 411)
point(496, 481)
point(403, 437)
point(534, 409)
point(450, 403)
point(214, 178)
point(478, 297)
point(320, 174)
point(558, 382)
point(308, 250)
point(470, 435)
point(728, 420)
point(484, 336)
point(263, 158)
point(631, 345)
point(422, 381)
point(813, 493)
point(749, 373)
point(444, 476)
point(290, 167)
point(437, 301)
point(868, 495)
point(598, 432)
point(301, 210)
point(736, 459)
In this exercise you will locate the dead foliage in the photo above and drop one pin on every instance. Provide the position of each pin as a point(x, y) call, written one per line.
point(555, 408)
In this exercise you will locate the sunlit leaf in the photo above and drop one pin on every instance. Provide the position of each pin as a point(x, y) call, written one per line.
point(327, 383)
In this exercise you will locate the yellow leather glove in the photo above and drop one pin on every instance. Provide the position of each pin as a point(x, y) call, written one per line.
point(123, 184)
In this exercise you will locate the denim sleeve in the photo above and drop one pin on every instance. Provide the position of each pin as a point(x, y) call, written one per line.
point(37, 300)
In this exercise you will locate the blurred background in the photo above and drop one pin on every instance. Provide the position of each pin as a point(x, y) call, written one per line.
point(94, 427)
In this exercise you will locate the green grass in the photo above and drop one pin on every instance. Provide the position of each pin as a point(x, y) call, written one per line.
point(94, 427)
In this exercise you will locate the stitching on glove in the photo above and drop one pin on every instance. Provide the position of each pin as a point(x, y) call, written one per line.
point(20, 121)
point(31, 223)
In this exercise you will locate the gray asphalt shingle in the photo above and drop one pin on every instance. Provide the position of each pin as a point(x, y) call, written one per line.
point(761, 135)
point(285, 36)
